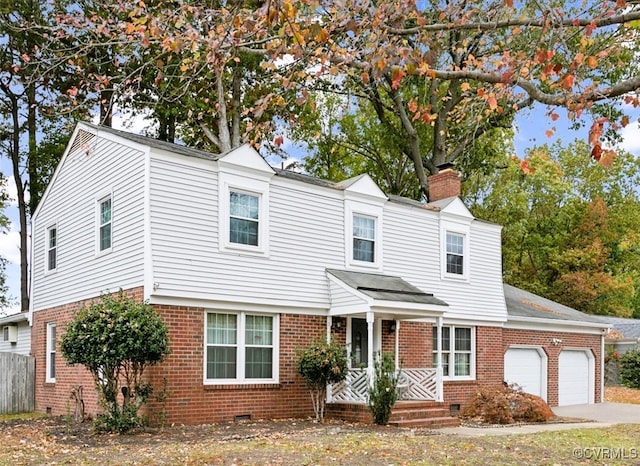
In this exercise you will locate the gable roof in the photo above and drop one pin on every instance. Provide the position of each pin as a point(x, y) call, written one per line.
point(523, 305)
point(385, 287)
point(156, 143)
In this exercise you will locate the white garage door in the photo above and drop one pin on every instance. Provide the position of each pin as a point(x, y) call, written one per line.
point(575, 378)
point(526, 368)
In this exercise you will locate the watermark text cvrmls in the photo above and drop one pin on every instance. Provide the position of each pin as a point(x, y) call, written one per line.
point(606, 453)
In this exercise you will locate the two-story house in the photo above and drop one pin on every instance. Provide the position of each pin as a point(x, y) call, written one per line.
point(247, 264)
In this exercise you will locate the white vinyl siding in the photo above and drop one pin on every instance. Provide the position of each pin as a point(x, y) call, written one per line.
point(240, 348)
point(70, 202)
point(23, 345)
point(50, 363)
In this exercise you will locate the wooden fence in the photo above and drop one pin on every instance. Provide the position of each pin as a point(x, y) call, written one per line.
point(17, 383)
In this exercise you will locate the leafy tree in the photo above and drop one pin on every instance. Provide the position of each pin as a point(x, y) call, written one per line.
point(4, 227)
point(383, 392)
point(462, 68)
point(570, 227)
point(321, 364)
point(116, 339)
point(34, 108)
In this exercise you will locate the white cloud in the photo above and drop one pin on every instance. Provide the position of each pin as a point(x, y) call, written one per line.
point(630, 140)
point(10, 246)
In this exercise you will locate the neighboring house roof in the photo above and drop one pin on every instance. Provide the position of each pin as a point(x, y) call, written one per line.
point(623, 328)
point(14, 318)
point(523, 305)
point(385, 287)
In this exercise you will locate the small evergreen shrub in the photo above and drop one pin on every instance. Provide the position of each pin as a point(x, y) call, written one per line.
point(384, 391)
point(116, 338)
point(506, 405)
point(630, 369)
point(321, 364)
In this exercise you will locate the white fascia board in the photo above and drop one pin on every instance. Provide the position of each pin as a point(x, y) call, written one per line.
point(348, 310)
point(547, 325)
point(235, 305)
point(405, 307)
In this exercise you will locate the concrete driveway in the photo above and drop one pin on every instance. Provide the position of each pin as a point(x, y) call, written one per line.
point(587, 416)
point(609, 413)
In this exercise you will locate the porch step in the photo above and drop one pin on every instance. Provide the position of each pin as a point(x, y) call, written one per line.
point(422, 414)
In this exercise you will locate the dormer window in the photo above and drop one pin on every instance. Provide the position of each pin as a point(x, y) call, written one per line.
point(455, 253)
point(244, 218)
point(364, 238)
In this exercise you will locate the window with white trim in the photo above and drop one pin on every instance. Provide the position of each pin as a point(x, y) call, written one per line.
point(50, 361)
point(241, 347)
point(52, 248)
point(458, 351)
point(364, 238)
point(455, 253)
point(105, 230)
point(244, 218)
point(363, 235)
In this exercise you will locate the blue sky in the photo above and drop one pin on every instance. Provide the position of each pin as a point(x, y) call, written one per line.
point(530, 131)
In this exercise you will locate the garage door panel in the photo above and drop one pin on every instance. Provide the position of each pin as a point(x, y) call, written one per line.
point(575, 377)
point(525, 367)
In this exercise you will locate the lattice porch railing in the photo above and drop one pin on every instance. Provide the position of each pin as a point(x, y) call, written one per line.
point(413, 384)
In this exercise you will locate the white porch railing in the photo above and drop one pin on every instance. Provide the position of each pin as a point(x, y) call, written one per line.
point(413, 384)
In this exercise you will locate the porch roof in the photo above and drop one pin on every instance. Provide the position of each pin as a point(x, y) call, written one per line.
point(382, 293)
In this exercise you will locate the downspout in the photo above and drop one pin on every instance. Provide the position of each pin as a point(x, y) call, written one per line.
point(439, 388)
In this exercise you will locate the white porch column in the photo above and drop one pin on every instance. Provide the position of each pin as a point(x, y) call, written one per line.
point(439, 388)
point(397, 345)
point(370, 368)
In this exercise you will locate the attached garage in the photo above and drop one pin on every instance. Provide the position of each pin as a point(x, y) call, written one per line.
point(527, 368)
point(576, 377)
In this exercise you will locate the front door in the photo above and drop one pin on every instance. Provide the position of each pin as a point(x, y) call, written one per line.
point(359, 343)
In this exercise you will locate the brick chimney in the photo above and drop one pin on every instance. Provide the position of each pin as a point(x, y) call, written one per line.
point(446, 183)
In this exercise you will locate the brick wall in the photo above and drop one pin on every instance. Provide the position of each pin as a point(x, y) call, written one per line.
point(55, 398)
point(569, 340)
point(188, 400)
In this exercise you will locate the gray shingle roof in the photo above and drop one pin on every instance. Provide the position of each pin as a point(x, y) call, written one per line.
point(385, 287)
point(157, 144)
point(521, 303)
point(629, 328)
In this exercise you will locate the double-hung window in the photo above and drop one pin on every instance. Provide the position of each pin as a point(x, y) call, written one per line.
point(457, 352)
point(52, 248)
point(50, 362)
point(455, 253)
point(364, 238)
point(244, 218)
point(240, 347)
point(105, 217)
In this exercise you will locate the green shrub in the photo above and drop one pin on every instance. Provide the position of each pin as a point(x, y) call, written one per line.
point(116, 338)
point(321, 364)
point(506, 405)
point(630, 369)
point(384, 390)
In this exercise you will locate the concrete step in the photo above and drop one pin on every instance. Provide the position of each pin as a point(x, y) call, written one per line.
point(428, 423)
